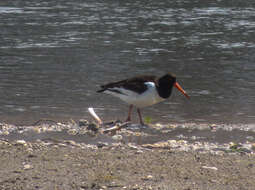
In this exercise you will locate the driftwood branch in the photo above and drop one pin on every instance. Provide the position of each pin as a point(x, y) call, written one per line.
point(111, 127)
point(116, 128)
point(94, 115)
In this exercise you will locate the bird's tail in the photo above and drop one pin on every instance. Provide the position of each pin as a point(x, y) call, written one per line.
point(101, 90)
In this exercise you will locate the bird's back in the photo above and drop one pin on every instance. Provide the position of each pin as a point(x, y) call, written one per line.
point(136, 84)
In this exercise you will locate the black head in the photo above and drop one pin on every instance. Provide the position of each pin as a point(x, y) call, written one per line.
point(165, 85)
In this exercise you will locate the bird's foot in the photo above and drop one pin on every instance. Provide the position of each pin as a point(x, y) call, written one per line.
point(143, 125)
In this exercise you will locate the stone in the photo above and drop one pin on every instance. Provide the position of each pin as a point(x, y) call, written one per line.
point(21, 142)
point(253, 147)
point(117, 137)
point(250, 138)
point(102, 144)
point(83, 122)
point(72, 131)
point(27, 166)
point(92, 127)
point(211, 168)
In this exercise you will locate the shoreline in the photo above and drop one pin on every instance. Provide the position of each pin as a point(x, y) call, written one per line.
point(181, 137)
point(28, 121)
point(83, 155)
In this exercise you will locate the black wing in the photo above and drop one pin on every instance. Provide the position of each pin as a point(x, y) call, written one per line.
point(135, 84)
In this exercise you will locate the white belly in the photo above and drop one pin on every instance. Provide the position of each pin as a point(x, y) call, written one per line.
point(148, 98)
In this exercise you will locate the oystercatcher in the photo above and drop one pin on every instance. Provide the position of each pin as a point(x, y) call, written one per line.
point(143, 91)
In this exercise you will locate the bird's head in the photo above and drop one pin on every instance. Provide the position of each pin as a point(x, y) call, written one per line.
point(169, 80)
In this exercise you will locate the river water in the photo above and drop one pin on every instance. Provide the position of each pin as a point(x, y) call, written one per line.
point(55, 54)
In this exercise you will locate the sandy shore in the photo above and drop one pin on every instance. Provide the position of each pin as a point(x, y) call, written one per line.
point(82, 155)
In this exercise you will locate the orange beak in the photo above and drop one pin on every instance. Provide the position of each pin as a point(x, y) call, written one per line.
point(176, 85)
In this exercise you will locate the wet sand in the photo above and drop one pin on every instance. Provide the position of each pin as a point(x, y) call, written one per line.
point(85, 156)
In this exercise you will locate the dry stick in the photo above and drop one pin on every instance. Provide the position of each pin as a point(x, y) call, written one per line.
point(116, 127)
point(94, 115)
point(109, 130)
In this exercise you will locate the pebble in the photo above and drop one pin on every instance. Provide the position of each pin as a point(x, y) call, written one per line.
point(148, 177)
point(72, 131)
point(4, 142)
point(21, 142)
point(92, 127)
point(211, 168)
point(184, 142)
point(102, 144)
point(37, 130)
point(27, 167)
point(181, 136)
point(132, 146)
point(83, 122)
point(117, 137)
point(73, 143)
point(213, 127)
point(159, 126)
point(172, 126)
point(250, 138)
point(30, 150)
point(62, 144)
point(139, 151)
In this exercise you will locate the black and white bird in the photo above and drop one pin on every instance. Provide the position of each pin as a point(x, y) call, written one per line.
point(143, 91)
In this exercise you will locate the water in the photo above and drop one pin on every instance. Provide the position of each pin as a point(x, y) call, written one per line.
point(55, 54)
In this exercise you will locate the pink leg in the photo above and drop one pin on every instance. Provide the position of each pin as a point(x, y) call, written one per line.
point(140, 116)
point(129, 113)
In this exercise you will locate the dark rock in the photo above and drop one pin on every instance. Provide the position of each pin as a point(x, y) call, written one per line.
point(83, 122)
point(92, 127)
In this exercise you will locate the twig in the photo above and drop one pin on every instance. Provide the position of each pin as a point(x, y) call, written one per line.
point(94, 115)
point(116, 127)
